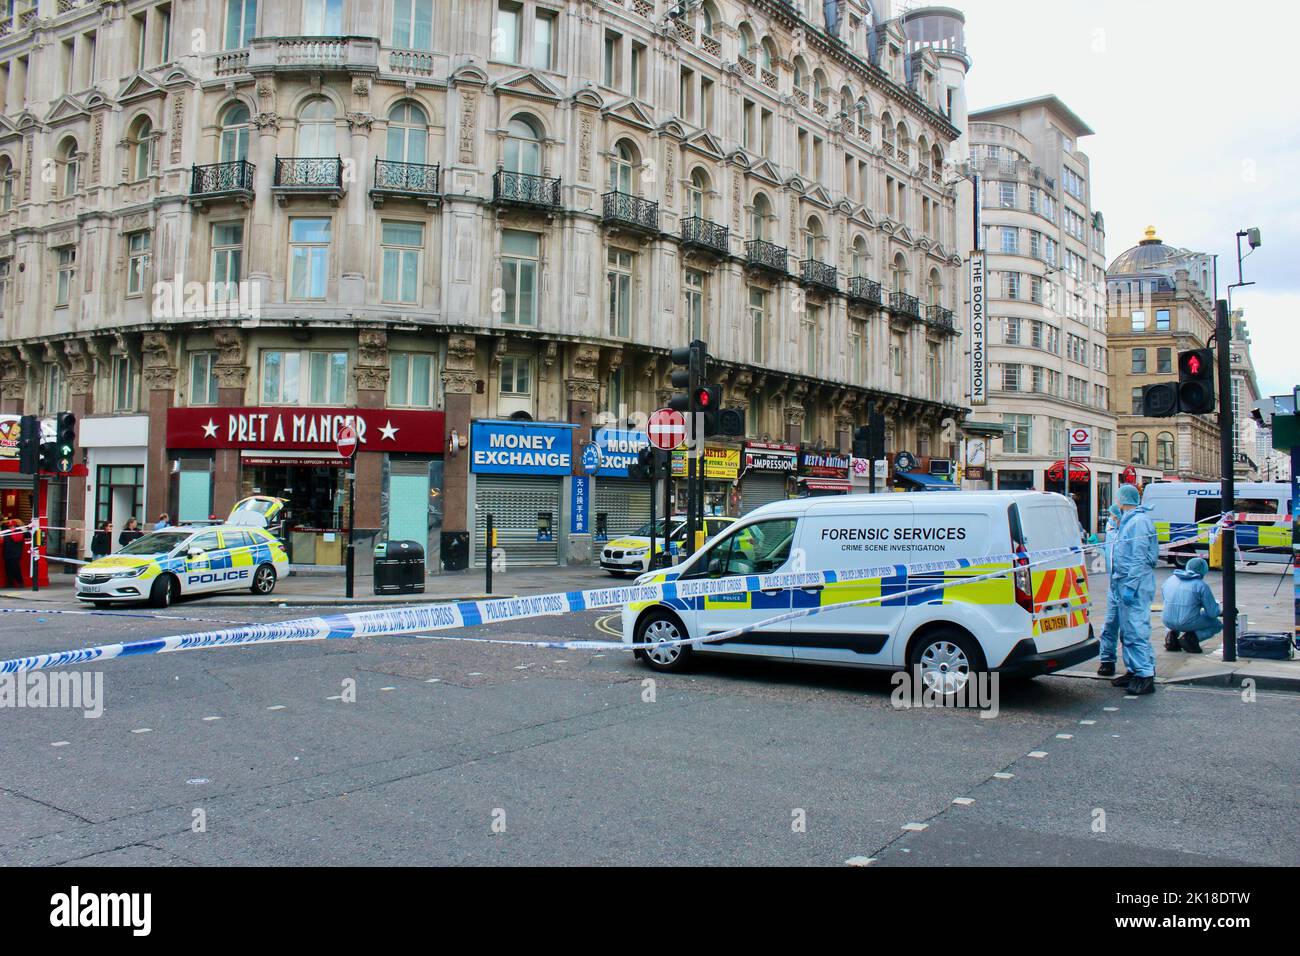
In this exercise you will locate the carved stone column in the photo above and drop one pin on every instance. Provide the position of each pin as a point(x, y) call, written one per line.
point(13, 381)
point(583, 390)
point(232, 382)
point(372, 392)
point(459, 383)
point(158, 356)
point(795, 414)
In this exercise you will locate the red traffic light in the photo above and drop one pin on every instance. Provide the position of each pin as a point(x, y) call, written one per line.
point(1194, 364)
point(704, 398)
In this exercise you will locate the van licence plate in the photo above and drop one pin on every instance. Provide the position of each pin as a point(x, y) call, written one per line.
point(1053, 623)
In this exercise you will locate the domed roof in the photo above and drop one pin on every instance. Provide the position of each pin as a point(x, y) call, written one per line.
point(1148, 256)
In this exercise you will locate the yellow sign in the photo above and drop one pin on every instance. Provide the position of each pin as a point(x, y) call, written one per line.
point(720, 463)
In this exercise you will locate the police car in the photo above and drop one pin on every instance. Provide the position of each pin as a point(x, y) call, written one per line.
point(163, 565)
point(1029, 620)
point(630, 554)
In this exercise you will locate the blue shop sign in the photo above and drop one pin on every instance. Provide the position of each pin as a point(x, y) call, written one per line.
point(580, 504)
point(619, 447)
point(521, 448)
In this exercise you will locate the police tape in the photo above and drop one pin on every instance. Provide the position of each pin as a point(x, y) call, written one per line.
point(421, 619)
point(104, 612)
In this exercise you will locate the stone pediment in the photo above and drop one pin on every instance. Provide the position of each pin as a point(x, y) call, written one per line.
point(632, 112)
point(66, 109)
point(139, 86)
point(529, 84)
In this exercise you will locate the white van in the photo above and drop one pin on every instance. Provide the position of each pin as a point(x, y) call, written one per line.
point(1030, 621)
point(1188, 509)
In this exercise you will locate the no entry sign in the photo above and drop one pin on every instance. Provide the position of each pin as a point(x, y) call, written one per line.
point(346, 441)
point(666, 428)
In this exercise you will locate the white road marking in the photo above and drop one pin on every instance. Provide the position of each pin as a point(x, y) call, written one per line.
point(916, 827)
point(388, 688)
point(1065, 736)
point(1087, 723)
point(276, 707)
point(211, 718)
point(142, 730)
point(1001, 775)
point(963, 801)
point(60, 743)
point(1110, 708)
point(860, 861)
point(1037, 753)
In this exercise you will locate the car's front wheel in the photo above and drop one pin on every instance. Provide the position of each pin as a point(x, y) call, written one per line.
point(164, 591)
point(263, 579)
point(661, 629)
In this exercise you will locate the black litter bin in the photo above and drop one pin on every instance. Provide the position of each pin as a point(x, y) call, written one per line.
point(399, 567)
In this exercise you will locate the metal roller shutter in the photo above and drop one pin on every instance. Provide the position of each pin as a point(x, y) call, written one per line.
point(514, 501)
point(625, 502)
point(758, 490)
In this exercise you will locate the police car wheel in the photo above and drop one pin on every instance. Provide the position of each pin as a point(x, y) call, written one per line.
point(263, 580)
point(658, 628)
point(163, 591)
point(947, 661)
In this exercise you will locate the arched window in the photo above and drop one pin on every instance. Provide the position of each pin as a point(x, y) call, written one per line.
point(6, 184)
point(139, 143)
point(900, 136)
point(820, 88)
point(934, 288)
point(813, 238)
point(697, 194)
point(846, 101)
point(864, 113)
point(234, 133)
point(747, 43)
point(1165, 451)
point(708, 17)
point(621, 164)
point(898, 273)
point(408, 134)
point(1139, 448)
point(860, 256)
point(316, 128)
point(70, 181)
point(888, 130)
point(936, 158)
point(523, 147)
point(758, 217)
point(802, 78)
point(767, 54)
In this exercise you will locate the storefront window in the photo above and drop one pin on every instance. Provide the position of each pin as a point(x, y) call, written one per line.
point(119, 495)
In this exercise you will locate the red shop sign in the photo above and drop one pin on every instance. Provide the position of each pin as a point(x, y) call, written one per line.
point(310, 429)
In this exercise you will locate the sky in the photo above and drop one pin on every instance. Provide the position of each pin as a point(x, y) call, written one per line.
point(1197, 130)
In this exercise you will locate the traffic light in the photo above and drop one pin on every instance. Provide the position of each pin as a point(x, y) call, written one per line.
point(29, 445)
point(1160, 400)
point(65, 437)
point(869, 439)
point(708, 402)
point(731, 422)
point(1196, 382)
point(693, 361)
point(651, 465)
point(862, 441)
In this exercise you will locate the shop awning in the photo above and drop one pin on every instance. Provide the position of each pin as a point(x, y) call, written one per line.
point(1079, 471)
point(825, 484)
point(928, 482)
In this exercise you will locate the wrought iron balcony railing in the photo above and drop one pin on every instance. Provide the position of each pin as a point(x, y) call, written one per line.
point(624, 209)
point(939, 317)
point(706, 234)
point(417, 180)
point(821, 275)
point(904, 304)
point(761, 254)
point(864, 290)
point(309, 173)
point(525, 189)
point(222, 179)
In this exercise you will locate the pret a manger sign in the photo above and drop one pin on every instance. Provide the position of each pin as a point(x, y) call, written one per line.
point(315, 429)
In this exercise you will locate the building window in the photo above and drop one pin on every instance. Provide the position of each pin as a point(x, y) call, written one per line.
point(234, 133)
point(1165, 451)
point(137, 262)
point(1007, 195)
point(140, 144)
point(1018, 436)
point(612, 74)
point(619, 277)
point(1162, 320)
point(508, 35)
point(812, 354)
point(123, 383)
point(283, 384)
point(413, 24)
point(1139, 448)
point(227, 260)
point(203, 378)
point(1138, 321)
point(408, 134)
point(516, 375)
point(544, 40)
point(694, 288)
point(520, 261)
point(402, 244)
point(1139, 357)
point(757, 312)
point(1011, 285)
point(1011, 378)
point(328, 377)
point(53, 387)
point(71, 167)
point(309, 258)
point(1010, 240)
point(241, 23)
point(316, 129)
point(5, 265)
point(1137, 400)
point(322, 18)
point(1164, 360)
point(411, 379)
point(1056, 436)
point(66, 258)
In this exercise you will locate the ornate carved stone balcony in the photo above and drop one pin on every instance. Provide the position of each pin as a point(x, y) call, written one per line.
point(314, 54)
point(631, 212)
point(819, 275)
point(768, 256)
point(705, 235)
point(525, 190)
point(405, 181)
point(217, 181)
point(864, 291)
point(308, 175)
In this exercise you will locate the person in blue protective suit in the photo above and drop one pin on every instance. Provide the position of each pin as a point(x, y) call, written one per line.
point(1110, 631)
point(1191, 613)
point(1133, 586)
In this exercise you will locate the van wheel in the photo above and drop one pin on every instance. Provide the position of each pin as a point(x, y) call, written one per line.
point(263, 579)
point(163, 592)
point(658, 627)
point(947, 659)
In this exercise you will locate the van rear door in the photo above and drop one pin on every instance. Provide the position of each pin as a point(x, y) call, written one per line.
point(1058, 585)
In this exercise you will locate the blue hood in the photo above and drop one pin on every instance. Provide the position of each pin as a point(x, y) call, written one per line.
point(1187, 575)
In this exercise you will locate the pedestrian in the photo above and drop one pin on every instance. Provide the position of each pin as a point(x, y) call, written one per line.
point(1191, 613)
point(13, 553)
point(1110, 631)
point(1133, 587)
point(162, 522)
point(130, 532)
point(101, 542)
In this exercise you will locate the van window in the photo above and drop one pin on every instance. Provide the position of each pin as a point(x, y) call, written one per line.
point(1048, 525)
point(759, 548)
point(1206, 509)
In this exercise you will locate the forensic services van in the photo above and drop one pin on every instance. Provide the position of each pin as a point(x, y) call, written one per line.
point(163, 565)
point(1029, 620)
point(1186, 510)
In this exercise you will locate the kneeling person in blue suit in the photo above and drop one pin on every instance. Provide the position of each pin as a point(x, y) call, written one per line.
point(1191, 613)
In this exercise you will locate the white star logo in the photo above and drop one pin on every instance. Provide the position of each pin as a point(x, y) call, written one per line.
point(210, 429)
point(388, 432)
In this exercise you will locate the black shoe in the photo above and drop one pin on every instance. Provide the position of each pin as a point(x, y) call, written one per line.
point(1121, 681)
point(1190, 643)
point(1142, 685)
point(1107, 669)
point(1171, 641)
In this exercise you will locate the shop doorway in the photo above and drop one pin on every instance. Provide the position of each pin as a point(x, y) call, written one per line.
point(315, 518)
point(119, 495)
